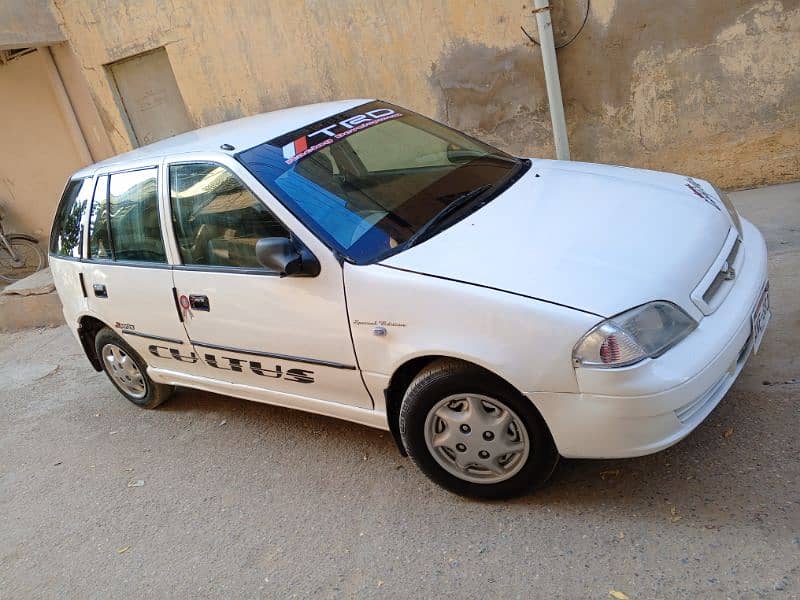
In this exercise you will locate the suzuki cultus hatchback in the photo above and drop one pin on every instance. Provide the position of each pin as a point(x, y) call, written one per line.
point(358, 260)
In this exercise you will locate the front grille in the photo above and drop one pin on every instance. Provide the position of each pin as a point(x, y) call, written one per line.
point(723, 275)
point(720, 278)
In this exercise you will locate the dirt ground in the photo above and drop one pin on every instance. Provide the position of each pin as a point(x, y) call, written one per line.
point(211, 496)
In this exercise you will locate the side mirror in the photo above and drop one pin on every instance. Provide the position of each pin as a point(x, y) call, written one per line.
point(287, 258)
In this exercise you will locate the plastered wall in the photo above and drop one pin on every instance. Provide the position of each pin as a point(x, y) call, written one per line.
point(37, 152)
point(25, 23)
point(706, 87)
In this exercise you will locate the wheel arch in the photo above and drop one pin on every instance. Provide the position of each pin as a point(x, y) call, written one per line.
point(88, 326)
point(405, 373)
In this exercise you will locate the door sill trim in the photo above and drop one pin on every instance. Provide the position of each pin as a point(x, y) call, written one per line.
point(354, 414)
point(149, 336)
point(287, 357)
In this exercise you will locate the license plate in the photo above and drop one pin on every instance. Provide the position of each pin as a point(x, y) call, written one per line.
point(760, 318)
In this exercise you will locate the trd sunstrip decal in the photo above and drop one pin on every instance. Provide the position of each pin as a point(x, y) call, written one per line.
point(236, 365)
point(300, 148)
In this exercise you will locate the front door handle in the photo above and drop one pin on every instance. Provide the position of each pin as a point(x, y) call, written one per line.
point(100, 290)
point(198, 302)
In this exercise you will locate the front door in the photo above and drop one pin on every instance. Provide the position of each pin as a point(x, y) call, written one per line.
point(248, 325)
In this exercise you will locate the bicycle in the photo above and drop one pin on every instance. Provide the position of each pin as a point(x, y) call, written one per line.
point(20, 255)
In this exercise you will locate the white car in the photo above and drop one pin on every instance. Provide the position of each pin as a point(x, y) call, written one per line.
point(358, 260)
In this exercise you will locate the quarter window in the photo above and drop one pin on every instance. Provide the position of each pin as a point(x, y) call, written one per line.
point(217, 219)
point(135, 224)
point(66, 237)
point(99, 244)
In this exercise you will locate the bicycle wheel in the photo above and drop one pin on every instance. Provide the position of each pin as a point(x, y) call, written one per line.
point(29, 259)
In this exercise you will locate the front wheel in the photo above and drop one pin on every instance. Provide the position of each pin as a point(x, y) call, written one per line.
point(474, 434)
point(27, 258)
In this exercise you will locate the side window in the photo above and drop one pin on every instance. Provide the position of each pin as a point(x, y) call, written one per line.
point(65, 239)
point(217, 219)
point(135, 224)
point(99, 244)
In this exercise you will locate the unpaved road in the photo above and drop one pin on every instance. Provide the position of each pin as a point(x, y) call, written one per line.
point(246, 500)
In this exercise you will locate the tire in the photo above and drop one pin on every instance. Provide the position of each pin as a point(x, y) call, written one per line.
point(30, 259)
point(449, 394)
point(129, 375)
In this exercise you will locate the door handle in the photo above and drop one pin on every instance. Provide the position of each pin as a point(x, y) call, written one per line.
point(198, 302)
point(100, 290)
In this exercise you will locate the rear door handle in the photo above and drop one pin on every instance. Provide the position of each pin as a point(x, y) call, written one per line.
point(198, 302)
point(100, 290)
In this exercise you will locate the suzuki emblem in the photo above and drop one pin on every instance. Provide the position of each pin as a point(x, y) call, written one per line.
point(729, 271)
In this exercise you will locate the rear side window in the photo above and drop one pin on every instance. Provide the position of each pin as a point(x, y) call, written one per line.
point(65, 239)
point(99, 244)
point(135, 224)
point(217, 219)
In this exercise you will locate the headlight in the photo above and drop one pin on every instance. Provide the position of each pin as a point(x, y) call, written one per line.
point(646, 331)
point(726, 202)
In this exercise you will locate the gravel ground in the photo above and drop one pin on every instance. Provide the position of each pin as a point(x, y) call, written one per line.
point(211, 496)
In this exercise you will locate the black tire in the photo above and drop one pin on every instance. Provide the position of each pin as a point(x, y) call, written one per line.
point(154, 393)
point(448, 377)
point(31, 259)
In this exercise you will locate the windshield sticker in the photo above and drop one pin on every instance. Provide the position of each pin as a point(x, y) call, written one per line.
point(300, 148)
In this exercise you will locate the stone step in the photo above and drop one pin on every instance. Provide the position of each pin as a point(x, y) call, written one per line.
point(30, 302)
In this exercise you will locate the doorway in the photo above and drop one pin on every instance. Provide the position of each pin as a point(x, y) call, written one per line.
point(150, 96)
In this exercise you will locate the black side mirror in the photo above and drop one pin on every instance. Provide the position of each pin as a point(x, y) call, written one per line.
point(287, 258)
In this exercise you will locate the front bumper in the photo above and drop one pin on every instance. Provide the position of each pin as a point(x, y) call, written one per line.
point(653, 404)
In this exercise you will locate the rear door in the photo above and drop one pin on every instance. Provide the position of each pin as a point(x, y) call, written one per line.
point(249, 325)
point(127, 276)
point(66, 247)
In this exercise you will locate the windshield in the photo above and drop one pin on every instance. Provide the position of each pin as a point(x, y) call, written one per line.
point(366, 180)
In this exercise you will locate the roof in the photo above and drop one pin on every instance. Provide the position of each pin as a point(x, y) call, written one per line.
point(241, 133)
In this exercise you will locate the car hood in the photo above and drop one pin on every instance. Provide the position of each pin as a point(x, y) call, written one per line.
point(597, 238)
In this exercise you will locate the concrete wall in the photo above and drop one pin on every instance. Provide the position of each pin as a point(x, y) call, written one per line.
point(26, 23)
point(706, 87)
point(81, 102)
point(37, 148)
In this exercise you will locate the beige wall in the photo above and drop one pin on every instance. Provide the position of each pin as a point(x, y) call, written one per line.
point(37, 149)
point(26, 23)
point(710, 88)
point(80, 99)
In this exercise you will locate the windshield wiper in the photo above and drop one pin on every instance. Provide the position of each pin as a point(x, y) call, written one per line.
point(448, 210)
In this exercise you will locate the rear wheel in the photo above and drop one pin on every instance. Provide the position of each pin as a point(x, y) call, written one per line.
point(128, 371)
point(474, 434)
point(26, 260)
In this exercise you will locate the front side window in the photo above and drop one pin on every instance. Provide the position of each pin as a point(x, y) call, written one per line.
point(99, 240)
point(65, 239)
point(135, 224)
point(375, 179)
point(217, 219)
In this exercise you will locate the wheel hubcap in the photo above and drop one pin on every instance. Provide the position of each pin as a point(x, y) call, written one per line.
point(476, 438)
point(123, 371)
